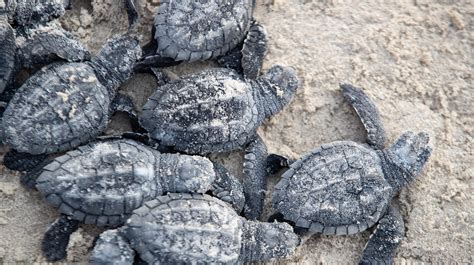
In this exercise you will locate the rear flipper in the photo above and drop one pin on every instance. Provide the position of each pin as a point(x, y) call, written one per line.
point(368, 114)
point(227, 188)
point(112, 247)
point(28, 179)
point(255, 178)
point(56, 238)
point(14, 160)
point(123, 103)
point(48, 44)
point(385, 239)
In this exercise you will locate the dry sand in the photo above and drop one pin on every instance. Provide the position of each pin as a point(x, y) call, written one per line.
point(414, 58)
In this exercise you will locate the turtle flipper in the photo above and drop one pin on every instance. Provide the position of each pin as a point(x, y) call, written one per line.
point(28, 179)
point(7, 54)
point(254, 50)
point(277, 162)
point(56, 238)
point(49, 44)
point(368, 114)
point(385, 239)
point(255, 178)
point(111, 247)
point(232, 60)
point(22, 161)
point(227, 188)
point(132, 13)
point(123, 103)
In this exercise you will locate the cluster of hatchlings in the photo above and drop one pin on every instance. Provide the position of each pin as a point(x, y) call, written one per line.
point(164, 201)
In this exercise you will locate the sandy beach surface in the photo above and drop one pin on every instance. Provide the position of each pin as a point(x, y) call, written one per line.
point(413, 58)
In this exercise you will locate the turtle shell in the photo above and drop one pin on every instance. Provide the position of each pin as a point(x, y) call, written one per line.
point(212, 111)
point(185, 229)
point(57, 109)
point(339, 188)
point(7, 54)
point(101, 183)
point(188, 30)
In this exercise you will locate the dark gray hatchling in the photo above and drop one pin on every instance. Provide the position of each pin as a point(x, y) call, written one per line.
point(193, 229)
point(65, 105)
point(186, 30)
point(33, 40)
point(217, 110)
point(346, 187)
point(103, 182)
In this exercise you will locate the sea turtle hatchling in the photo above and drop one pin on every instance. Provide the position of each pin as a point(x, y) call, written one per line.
point(186, 30)
point(103, 182)
point(28, 39)
point(217, 110)
point(65, 105)
point(193, 229)
point(346, 187)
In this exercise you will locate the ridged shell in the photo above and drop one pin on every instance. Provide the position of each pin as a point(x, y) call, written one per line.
point(101, 183)
point(58, 108)
point(184, 229)
point(207, 112)
point(199, 30)
point(336, 189)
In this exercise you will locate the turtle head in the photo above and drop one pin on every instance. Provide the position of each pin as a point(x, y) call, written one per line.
point(115, 61)
point(279, 85)
point(409, 154)
point(266, 241)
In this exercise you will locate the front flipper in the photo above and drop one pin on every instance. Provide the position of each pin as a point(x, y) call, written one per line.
point(28, 179)
point(111, 247)
point(7, 54)
point(255, 178)
point(227, 188)
point(254, 50)
point(385, 239)
point(368, 114)
point(48, 44)
point(56, 238)
point(14, 160)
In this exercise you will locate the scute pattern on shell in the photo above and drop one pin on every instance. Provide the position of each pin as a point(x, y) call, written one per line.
point(214, 110)
point(184, 228)
point(199, 30)
point(101, 183)
point(336, 189)
point(60, 107)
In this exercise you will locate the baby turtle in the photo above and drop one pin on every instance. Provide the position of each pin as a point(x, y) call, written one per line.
point(67, 104)
point(345, 187)
point(103, 182)
point(186, 30)
point(34, 41)
point(218, 110)
point(193, 229)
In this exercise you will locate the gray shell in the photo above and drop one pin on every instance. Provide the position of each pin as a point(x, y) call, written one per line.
point(184, 229)
point(26, 12)
point(336, 189)
point(100, 183)
point(212, 111)
point(199, 30)
point(60, 107)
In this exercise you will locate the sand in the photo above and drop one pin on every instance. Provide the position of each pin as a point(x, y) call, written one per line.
point(413, 58)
